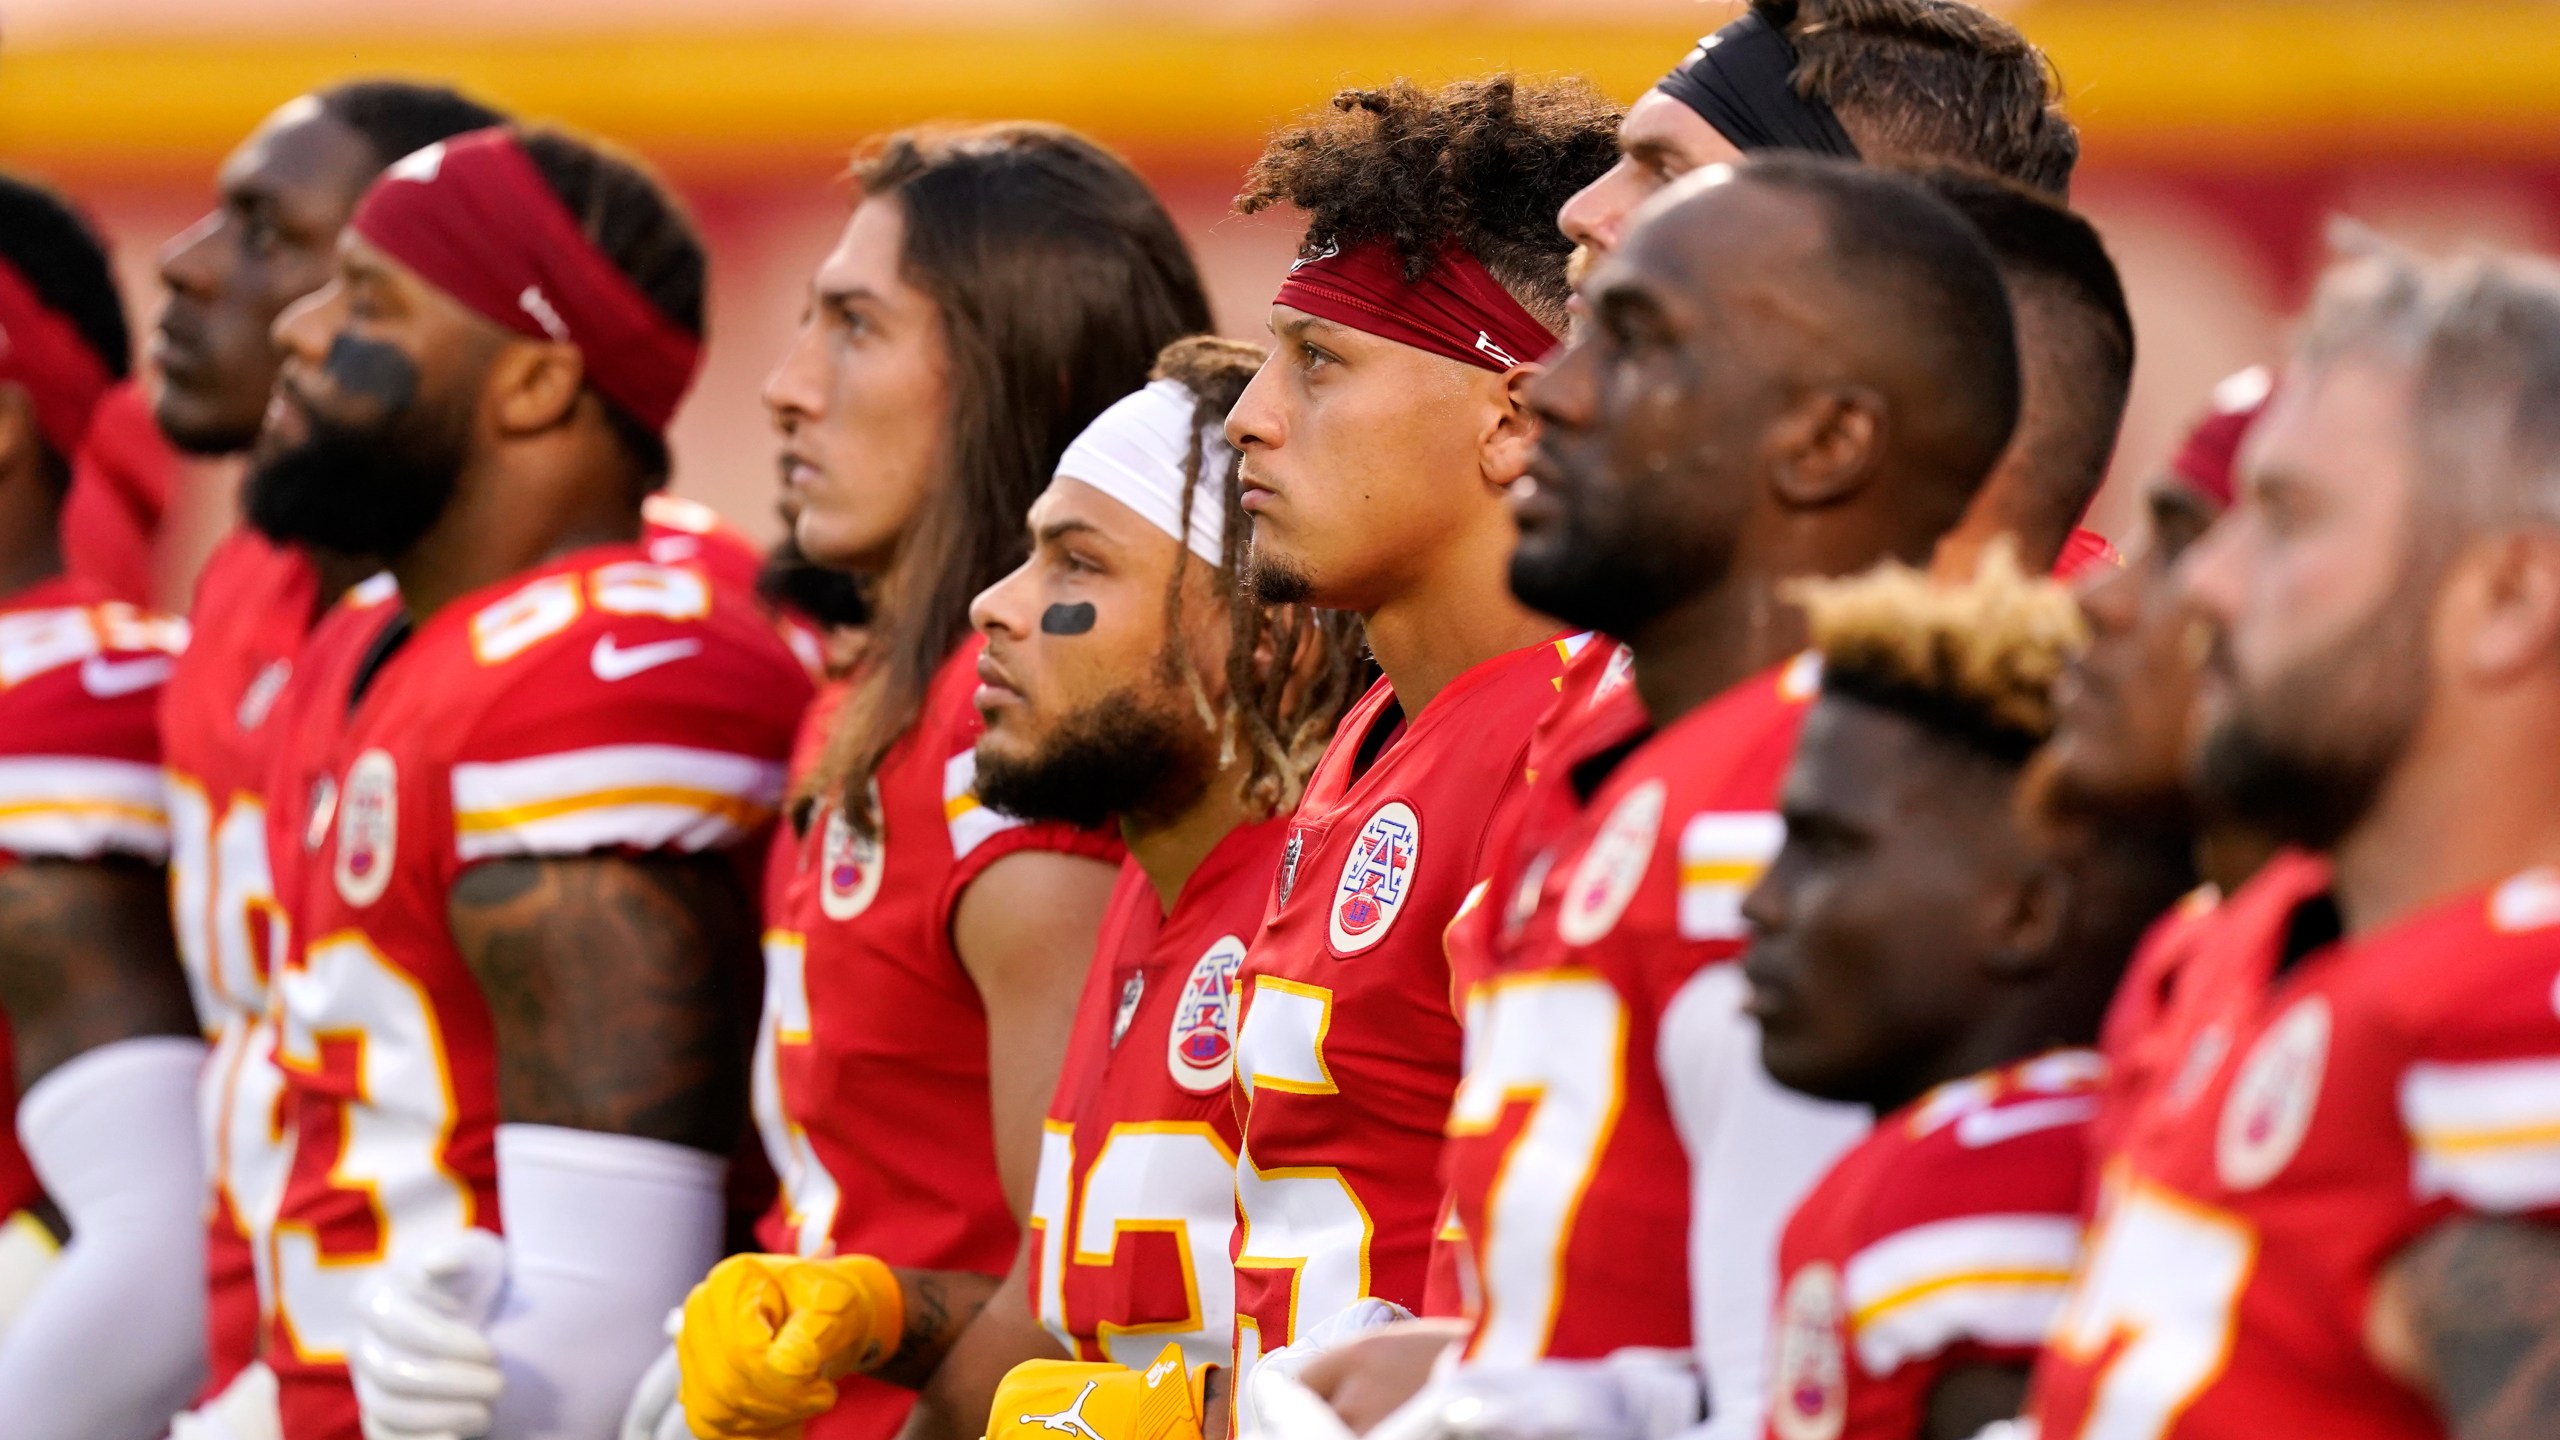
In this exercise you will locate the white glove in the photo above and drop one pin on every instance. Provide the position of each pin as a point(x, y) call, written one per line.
point(245, 1410)
point(424, 1369)
point(1633, 1395)
point(1280, 1405)
point(654, 1413)
point(1255, 1417)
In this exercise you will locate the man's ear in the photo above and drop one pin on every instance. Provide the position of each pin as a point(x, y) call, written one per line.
point(2029, 928)
point(534, 385)
point(1511, 436)
point(2510, 586)
point(1825, 449)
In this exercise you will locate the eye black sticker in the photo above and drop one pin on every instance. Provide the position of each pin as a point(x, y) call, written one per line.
point(1073, 619)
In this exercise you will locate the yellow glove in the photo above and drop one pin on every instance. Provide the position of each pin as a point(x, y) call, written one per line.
point(766, 1337)
point(1084, 1400)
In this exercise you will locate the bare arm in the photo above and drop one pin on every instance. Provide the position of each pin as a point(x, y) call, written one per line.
point(87, 958)
point(953, 1404)
point(616, 985)
point(2471, 1313)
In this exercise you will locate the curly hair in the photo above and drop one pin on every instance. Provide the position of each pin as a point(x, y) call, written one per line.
point(1292, 671)
point(1922, 80)
point(1974, 661)
point(1484, 163)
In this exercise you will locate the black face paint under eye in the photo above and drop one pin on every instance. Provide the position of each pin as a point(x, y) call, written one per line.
point(372, 371)
point(1073, 619)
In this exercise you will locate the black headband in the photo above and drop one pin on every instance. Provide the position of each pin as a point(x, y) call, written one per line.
point(1741, 81)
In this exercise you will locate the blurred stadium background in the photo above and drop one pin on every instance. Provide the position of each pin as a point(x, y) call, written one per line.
point(2219, 136)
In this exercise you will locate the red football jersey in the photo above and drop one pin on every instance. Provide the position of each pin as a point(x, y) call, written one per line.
point(121, 484)
point(1138, 1162)
point(1569, 1171)
point(1944, 1240)
point(599, 702)
point(677, 531)
point(871, 1064)
point(256, 600)
point(80, 679)
point(1347, 1042)
point(2325, 1114)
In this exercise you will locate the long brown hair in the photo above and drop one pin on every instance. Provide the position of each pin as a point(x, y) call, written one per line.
point(1292, 670)
point(1059, 276)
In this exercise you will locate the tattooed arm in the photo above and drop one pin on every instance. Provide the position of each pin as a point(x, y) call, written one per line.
point(2470, 1312)
point(617, 988)
point(87, 959)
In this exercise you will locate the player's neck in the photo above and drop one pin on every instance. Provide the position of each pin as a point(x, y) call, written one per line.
point(1171, 850)
point(2467, 807)
point(1456, 617)
point(1711, 642)
point(499, 525)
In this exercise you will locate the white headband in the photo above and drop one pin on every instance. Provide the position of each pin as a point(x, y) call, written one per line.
point(1135, 451)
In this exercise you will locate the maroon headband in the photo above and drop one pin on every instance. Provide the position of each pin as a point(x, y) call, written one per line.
point(42, 350)
point(1456, 309)
point(474, 218)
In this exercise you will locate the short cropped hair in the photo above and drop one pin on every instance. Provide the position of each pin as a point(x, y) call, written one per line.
point(398, 118)
point(1915, 81)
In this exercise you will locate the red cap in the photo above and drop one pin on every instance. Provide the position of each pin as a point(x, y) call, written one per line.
point(2212, 448)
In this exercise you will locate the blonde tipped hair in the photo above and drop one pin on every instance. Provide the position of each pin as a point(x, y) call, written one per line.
point(1976, 660)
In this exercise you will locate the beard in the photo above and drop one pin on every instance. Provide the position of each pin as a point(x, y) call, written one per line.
point(371, 491)
point(1118, 756)
point(1271, 580)
point(2304, 758)
point(1616, 584)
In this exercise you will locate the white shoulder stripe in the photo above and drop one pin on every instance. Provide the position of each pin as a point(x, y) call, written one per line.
point(74, 807)
point(1994, 1279)
point(2486, 1134)
point(642, 796)
point(972, 824)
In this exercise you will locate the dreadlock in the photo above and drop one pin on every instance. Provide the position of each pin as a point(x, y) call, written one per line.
point(1974, 661)
point(1276, 707)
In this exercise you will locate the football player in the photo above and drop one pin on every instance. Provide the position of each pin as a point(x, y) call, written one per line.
point(1918, 950)
point(286, 192)
point(2336, 1218)
point(1796, 367)
point(924, 951)
point(1891, 81)
point(1378, 442)
point(510, 809)
point(111, 1342)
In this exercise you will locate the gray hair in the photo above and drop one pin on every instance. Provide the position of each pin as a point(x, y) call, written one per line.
point(2479, 337)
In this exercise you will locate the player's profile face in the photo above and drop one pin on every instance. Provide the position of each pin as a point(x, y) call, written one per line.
point(2317, 592)
point(1361, 457)
point(862, 397)
point(268, 241)
point(1871, 927)
point(1084, 708)
point(1659, 141)
point(2124, 707)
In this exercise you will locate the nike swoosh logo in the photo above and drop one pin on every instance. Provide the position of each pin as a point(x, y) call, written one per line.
point(108, 679)
point(612, 662)
point(1989, 1127)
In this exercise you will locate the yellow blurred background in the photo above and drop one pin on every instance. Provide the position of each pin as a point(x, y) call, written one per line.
point(2220, 137)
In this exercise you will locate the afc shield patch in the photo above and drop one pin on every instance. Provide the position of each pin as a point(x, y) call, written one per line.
point(2268, 1111)
point(1809, 1373)
point(850, 862)
point(368, 827)
point(1200, 1049)
point(1376, 877)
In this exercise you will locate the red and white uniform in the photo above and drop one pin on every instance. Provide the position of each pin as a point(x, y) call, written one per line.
point(600, 702)
point(2327, 1113)
point(218, 732)
point(871, 1064)
point(1944, 1240)
point(1565, 1155)
point(1136, 1200)
point(80, 680)
point(1348, 1041)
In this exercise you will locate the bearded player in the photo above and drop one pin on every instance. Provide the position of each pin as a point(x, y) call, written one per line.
point(1378, 441)
point(112, 1340)
point(926, 951)
point(285, 194)
point(2337, 1220)
point(509, 809)
point(1921, 949)
point(1750, 304)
